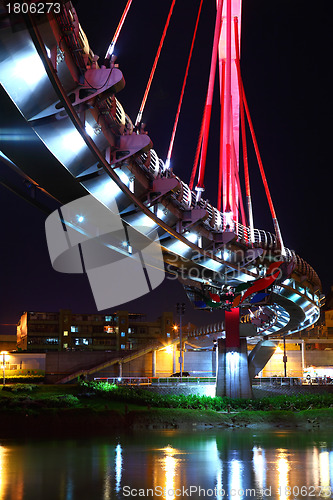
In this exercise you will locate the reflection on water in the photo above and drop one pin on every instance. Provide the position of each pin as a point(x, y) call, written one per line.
point(169, 469)
point(283, 468)
point(170, 465)
point(118, 466)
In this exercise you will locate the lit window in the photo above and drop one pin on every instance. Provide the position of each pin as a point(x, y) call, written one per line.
point(79, 341)
point(122, 346)
point(123, 334)
point(168, 334)
point(107, 318)
point(65, 346)
point(130, 330)
point(66, 333)
point(74, 328)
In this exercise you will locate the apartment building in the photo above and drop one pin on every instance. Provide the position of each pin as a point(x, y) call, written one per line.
point(65, 330)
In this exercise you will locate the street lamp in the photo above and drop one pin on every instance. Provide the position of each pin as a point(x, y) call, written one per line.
point(284, 355)
point(180, 311)
point(4, 365)
point(169, 349)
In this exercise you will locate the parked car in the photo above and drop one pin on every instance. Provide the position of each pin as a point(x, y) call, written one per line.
point(177, 374)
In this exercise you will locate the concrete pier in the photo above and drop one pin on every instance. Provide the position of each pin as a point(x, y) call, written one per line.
point(153, 367)
point(233, 370)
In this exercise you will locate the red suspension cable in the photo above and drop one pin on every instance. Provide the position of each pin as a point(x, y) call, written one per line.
point(244, 145)
point(183, 88)
point(116, 35)
point(139, 117)
point(246, 166)
point(219, 191)
point(230, 203)
point(263, 176)
point(261, 167)
point(240, 199)
point(197, 155)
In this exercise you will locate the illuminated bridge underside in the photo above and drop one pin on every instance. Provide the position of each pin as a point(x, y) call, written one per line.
point(62, 125)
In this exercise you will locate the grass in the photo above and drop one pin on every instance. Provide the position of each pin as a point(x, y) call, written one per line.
point(59, 396)
point(139, 396)
point(144, 409)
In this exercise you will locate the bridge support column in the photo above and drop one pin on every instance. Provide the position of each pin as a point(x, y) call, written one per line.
point(232, 378)
point(153, 363)
point(214, 361)
point(174, 359)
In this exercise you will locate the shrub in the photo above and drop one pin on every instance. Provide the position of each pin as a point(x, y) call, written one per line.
point(137, 395)
point(63, 401)
point(13, 379)
point(24, 387)
point(20, 387)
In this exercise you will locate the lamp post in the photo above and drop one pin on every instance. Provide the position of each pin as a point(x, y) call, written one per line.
point(180, 311)
point(4, 366)
point(284, 355)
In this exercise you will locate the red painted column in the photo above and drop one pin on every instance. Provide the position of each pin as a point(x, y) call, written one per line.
point(232, 328)
point(209, 100)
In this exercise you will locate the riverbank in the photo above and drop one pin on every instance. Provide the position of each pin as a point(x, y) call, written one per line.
point(86, 422)
point(54, 412)
point(198, 419)
point(66, 411)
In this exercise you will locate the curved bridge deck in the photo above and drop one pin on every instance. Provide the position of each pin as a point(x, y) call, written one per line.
point(70, 134)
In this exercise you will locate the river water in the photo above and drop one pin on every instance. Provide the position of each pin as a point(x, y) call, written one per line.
point(236, 464)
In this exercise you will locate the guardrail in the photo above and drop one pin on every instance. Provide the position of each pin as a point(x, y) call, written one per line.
point(173, 381)
point(308, 380)
point(277, 381)
point(156, 381)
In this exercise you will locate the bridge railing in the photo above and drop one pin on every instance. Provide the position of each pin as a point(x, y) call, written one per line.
point(277, 381)
point(173, 381)
point(155, 381)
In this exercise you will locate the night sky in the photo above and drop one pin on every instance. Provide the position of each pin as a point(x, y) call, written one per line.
point(285, 59)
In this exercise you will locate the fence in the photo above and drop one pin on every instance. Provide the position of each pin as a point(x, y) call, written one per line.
point(157, 381)
point(174, 381)
point(277, 381)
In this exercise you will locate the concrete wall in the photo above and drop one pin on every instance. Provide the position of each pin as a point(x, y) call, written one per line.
point(318, 358)
point(60, 364)
point(186, 389)
point(275, 365)
point(29, 361)
point(25, 361)
point(8, 342)
point(143, 366)
point(198, 363)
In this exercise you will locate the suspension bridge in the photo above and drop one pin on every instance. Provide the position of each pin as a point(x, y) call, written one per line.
point(69, 135)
